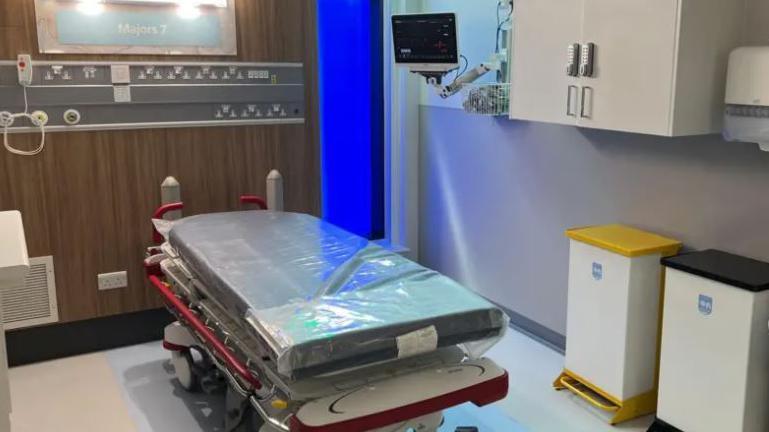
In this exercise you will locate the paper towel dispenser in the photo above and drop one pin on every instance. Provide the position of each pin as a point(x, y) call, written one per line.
point(747, 96)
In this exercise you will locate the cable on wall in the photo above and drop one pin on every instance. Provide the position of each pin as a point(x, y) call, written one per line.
point(501, 6)
point(37, 118)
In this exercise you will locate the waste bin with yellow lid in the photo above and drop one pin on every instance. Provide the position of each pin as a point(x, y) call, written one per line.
point(613, 324)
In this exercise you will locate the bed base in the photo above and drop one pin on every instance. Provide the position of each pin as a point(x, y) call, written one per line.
point(259, 400)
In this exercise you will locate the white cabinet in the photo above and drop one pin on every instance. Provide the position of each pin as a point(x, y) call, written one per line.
point(541, 85)
point(658, 66)
point(634, 55)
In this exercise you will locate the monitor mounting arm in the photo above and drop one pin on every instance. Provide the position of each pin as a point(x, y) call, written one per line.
point(446, 91)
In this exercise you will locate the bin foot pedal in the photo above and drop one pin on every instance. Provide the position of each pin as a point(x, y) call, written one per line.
point(623, 411)
point(661, 426)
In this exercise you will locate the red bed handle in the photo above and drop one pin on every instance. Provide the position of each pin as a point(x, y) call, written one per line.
point(166, 208)
point(208, 336)
point(159, 213)
point(253, 199)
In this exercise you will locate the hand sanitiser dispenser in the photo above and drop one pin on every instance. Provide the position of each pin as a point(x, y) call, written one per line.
point(747, 97)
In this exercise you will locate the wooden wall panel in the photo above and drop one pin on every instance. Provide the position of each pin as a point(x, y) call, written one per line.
point(87, 199)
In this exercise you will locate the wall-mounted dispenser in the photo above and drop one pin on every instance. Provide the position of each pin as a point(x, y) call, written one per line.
point(747, 97)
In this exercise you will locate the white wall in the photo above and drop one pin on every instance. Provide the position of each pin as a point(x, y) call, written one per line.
point(496, 195)
point(402, 93)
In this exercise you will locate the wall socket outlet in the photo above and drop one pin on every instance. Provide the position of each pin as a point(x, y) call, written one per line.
point(110, 281)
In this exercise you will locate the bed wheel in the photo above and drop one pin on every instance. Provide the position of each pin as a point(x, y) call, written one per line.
point(184, 365)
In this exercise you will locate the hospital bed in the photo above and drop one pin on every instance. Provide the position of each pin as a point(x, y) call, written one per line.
point(314, 329)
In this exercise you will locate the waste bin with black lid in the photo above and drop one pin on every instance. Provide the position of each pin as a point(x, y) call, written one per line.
point(714, 371)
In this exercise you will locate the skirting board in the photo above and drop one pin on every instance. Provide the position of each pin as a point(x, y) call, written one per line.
point(536, 331)
point(39, 344)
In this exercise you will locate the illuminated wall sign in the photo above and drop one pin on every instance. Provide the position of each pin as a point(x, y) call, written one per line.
point(170, 27)
point(160, 29)
point(216, 3)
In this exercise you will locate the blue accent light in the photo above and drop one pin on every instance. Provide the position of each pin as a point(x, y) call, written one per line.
point(350, 123)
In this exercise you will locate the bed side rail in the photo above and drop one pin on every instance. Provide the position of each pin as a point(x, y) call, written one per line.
point(221, 350)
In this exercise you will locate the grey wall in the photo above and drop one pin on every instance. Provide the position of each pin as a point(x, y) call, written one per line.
point(497, 195)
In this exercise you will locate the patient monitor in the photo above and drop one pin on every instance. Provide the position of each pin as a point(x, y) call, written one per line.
point(427, 44)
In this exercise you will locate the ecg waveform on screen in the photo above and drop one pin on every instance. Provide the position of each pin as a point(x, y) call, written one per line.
point(421, 39)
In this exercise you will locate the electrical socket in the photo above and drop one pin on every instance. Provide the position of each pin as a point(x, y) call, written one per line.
point(110, 281)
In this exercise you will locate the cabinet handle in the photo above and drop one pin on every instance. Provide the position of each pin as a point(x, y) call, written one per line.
point(584, 98)
point(587, 60)
point(572, 64)
point(569, 111)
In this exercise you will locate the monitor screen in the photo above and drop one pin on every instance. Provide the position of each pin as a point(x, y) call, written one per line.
point(425, 39)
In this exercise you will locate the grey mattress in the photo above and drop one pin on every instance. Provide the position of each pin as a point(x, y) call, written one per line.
point(323, 299)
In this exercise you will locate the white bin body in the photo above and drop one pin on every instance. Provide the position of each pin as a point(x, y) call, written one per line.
point(613, 319)
point(714, 373)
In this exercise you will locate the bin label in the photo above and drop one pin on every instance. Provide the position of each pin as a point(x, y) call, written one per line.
point(597, 271)
point(705, 305)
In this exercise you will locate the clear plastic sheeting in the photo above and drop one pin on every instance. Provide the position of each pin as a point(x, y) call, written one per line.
point(163, 227)
point(325, 300)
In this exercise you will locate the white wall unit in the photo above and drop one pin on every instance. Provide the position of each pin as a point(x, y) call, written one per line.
point(14, 264)
point(659, 65)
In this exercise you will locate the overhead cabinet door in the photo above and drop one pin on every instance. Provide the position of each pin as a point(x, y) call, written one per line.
point(542, 89)
point(632, 84)
point(646, 66)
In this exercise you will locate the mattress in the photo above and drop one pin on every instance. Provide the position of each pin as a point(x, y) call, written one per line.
point(324, 300)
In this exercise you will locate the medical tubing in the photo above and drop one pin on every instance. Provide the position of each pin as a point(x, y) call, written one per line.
point(205, 333)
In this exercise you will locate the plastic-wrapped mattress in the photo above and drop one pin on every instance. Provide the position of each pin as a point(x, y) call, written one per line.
point(325, 300)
